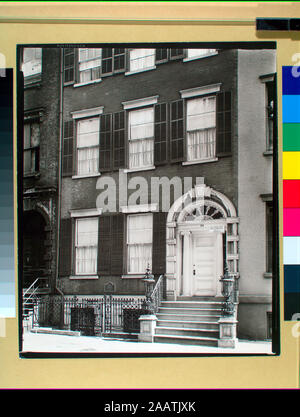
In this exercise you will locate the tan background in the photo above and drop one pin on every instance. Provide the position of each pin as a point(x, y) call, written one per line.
point(39, 22)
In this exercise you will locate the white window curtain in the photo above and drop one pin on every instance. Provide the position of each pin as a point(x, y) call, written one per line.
point(86, 245)
point(141, 138)
point(139, 242)
point(193, 53)
point(88, 146)
point(89, 64)
point(142, 59)
point(201, 128)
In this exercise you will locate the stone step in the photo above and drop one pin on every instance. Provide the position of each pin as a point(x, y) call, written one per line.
point(188, 324)
point(200, 298)
point(172, 331)
point(188, 317)
point(192, 304)
point(190, 311)
point(48, 330)
point(186, 340)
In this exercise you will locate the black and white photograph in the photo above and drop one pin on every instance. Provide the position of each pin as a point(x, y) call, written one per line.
point(147, 199)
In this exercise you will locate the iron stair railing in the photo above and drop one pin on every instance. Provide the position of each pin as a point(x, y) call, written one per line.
point(158, 294)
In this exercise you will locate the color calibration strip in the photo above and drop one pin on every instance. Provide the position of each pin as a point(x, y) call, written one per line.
point(7, 267)
point(291, 189)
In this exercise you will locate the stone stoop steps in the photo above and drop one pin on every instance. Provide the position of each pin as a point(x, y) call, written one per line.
point(189, 322)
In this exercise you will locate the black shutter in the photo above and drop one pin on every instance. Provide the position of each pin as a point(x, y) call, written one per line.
point(68, 140)
point(69, 65)
point(159, 243)
point(117, 240)
point(223, 121)
point(105, 142)
point(119, 59)
point(65, 247)
point(119, 140)
point(161, 54)
point(104, 246)
point(107, 60)
point(177, 152)
point(160, 134)
point(176, 53)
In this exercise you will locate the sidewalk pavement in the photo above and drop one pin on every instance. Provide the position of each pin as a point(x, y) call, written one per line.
point(54, 343)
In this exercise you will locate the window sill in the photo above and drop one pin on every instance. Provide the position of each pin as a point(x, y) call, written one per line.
point(125, 276)
point(140, 70)
point(87, 83)
point(83, 277)
point(192, 58)
point(203, 161)
point(77, 177)
point(268, 275)
point(126, 171)
point(268, 153)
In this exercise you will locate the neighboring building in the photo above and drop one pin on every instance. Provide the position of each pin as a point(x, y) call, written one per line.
point(141, 128)
point(41, 137)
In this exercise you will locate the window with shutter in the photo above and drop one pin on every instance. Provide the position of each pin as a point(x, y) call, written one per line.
point(88, 146)
point(176, 131)
point(201, 128)
point(139, 242)
point(68, 139)
point(69, 65)
point(89, 64)
point(32, 61)
point(31, 148)
point(224, 123)
point(141, 138)
point(86, 244)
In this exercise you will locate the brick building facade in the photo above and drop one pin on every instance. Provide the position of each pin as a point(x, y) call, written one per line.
point(124, 134)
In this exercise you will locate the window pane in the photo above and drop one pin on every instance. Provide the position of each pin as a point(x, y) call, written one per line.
point(88, 132)
point(86, 243)
point(201, 113)
point(141, 124)
point(27, 141)
point(139, 237)
point(200, 52)
point(140, 228)
point(87, 231)
point(141, 59)
point(201, 128)
point(32, 61)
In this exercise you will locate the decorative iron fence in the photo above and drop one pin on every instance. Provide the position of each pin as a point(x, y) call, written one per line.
point(90, 316)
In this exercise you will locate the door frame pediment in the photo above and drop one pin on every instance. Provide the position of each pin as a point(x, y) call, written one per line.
point(205, 210)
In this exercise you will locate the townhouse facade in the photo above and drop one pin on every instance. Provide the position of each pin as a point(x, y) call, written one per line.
point(158, 158)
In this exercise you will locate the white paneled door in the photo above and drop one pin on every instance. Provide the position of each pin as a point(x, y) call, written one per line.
point(207, 263)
